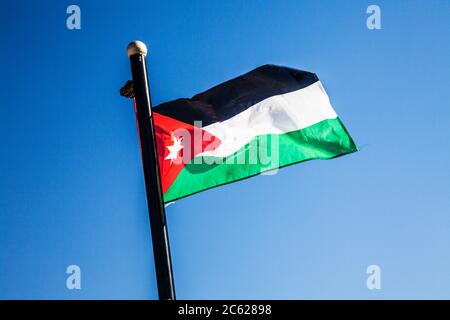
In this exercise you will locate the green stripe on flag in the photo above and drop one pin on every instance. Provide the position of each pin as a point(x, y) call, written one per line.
point(324, 140)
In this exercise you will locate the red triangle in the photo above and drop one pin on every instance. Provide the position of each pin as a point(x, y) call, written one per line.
point(193, 140)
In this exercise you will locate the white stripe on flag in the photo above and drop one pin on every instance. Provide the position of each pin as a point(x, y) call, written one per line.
point(275, 115)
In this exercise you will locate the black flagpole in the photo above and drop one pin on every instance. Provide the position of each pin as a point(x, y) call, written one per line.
point(137, 52)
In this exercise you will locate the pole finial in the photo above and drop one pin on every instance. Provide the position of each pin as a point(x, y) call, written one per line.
point(136, 47)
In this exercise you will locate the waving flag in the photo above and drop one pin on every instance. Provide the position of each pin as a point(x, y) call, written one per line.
point(268, 118)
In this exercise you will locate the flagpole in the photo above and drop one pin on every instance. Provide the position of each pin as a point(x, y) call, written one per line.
point(137, 52)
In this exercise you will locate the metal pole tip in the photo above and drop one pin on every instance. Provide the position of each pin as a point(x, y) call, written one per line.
point(137, 47)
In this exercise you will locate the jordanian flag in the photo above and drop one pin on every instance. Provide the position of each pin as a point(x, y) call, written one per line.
point(266, 119)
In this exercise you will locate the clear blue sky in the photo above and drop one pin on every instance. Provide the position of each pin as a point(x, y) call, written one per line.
point(71, 184)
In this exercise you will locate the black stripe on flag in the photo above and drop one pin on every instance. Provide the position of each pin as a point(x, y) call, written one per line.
point(230, 98)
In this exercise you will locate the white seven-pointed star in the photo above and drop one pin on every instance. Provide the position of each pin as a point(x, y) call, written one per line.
point(174, 149)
